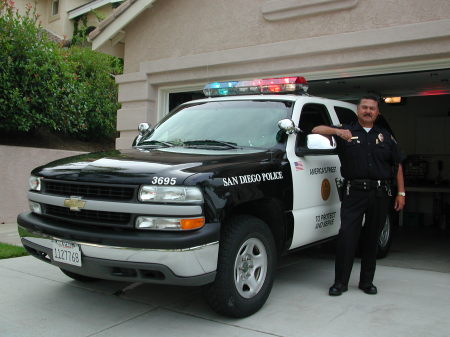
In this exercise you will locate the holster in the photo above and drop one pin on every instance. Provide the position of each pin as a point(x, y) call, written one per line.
point(340, 186)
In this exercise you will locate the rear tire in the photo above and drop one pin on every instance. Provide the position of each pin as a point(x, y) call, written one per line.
point(245, 268)
point(79, 277)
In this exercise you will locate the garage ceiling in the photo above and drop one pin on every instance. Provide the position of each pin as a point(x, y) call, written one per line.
point(424, 83)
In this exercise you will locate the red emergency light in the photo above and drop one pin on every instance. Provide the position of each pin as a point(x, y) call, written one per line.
point(281, 85)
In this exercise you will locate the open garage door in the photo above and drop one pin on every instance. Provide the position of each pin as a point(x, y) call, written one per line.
point(421, 123)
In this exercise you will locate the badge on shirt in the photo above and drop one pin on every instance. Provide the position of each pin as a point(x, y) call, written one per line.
point(380, 137)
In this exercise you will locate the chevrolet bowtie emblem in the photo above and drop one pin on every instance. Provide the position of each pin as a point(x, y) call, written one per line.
point(74, 203)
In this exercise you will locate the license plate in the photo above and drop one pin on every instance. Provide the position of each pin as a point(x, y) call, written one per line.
point(66, 252)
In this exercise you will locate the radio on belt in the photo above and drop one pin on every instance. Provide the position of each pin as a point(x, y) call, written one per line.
point(211, 195)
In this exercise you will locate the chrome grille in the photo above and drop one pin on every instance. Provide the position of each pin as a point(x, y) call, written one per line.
point(93, 216)
point(90, 191)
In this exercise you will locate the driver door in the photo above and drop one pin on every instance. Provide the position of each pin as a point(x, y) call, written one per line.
point(316, 204)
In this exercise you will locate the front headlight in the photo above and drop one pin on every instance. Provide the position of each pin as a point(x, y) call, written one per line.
point(176, 194)
point(34, 183)
point(170, 224)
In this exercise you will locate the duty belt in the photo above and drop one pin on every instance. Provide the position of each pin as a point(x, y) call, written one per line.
point(369, 184)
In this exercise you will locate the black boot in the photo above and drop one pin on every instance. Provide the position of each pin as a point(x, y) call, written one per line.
point(337, 289)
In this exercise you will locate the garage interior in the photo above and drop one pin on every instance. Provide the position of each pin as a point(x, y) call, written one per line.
point(421, 123)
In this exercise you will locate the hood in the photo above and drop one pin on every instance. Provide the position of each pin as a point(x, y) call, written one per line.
point(141, 166)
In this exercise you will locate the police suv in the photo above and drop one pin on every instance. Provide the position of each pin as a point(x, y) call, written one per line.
point(212, 195)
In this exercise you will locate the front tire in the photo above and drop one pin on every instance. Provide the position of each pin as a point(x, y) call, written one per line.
point(245, 270)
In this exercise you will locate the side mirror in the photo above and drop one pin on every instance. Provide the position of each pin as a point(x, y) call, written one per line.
point(143, 128)
point(288, 126)
point(316, 145)
point(319, 142)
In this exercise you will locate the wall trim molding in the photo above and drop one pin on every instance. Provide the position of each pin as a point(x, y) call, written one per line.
point(404, 40)
point(275, 10)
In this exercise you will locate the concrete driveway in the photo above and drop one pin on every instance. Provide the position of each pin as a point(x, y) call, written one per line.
point(38, 300)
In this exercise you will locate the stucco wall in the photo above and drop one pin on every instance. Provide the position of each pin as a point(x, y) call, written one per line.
point(172, 28)
point(60, 24)
point(41, 6)
point(103, 12)
point(181, 45)
point(16, 164)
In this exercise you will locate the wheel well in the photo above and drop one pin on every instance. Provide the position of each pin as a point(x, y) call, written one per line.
point(269, 211)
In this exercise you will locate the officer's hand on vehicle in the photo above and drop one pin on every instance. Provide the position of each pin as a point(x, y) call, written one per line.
point(344, 134)
point(399, 203)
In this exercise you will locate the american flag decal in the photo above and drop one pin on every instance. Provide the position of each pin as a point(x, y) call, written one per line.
point(298, 166)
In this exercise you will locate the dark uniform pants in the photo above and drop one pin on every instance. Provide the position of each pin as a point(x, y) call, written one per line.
point(374, 205)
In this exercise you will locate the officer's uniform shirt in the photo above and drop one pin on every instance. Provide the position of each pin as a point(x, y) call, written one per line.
point(373, 155)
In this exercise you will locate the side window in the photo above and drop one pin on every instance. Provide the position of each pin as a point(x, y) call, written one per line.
point(382, 122)
point(55, 7)
point(312, 115)
point(346, 116)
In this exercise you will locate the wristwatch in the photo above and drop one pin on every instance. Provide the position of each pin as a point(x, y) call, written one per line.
point(403, 194)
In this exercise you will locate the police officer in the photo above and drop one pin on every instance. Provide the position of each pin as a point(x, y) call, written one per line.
point(370, 159)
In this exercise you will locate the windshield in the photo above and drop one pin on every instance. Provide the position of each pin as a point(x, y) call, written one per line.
point(224, 124)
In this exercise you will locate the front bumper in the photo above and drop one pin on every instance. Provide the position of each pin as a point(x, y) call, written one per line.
point(195, 265)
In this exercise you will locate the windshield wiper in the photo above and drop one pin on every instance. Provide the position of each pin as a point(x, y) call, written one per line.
point(211, 142)
point(154, 143)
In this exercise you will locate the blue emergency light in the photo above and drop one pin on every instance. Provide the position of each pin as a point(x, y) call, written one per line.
point(281, 85)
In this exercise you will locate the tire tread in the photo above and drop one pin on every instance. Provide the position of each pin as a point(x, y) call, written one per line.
point(219, 293)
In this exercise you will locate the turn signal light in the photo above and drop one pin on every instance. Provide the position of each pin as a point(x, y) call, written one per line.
point(168, 224)
point(187, 224)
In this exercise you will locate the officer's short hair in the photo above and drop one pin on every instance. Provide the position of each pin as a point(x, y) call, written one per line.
point(371, 97)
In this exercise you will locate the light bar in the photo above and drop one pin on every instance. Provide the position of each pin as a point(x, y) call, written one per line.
point(281, 85)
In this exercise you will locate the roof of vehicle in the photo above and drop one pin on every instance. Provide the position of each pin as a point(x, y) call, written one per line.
point(265, 97)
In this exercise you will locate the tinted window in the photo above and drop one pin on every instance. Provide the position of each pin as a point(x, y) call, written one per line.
point(346, 116)
point(382, 122)
point(312, 115)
